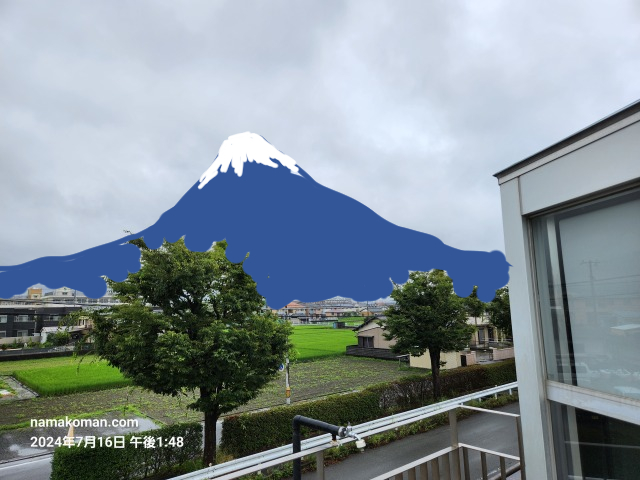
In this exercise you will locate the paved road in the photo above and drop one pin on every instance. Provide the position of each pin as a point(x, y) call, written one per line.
point(37, 468)
point(493, 432)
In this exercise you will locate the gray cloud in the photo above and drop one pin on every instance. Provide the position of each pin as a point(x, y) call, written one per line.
point(110, 112)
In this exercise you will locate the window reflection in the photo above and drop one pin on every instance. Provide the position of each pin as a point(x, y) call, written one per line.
point(592, 446)
point(588, 269)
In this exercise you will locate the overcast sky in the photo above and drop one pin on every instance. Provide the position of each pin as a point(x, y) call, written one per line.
point(111, 111)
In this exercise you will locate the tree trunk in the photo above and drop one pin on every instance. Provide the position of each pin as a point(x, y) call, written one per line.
point(210, 421)
point(434, 356)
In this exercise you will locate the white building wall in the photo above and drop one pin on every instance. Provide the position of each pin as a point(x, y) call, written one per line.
point(606, 161)
point(424, 361)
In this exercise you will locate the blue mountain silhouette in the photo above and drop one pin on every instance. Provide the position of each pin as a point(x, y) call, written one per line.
point(303, 239)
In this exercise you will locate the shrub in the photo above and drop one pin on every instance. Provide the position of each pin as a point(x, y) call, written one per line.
point(128, 463)
point(254, 432)
point(59, 338)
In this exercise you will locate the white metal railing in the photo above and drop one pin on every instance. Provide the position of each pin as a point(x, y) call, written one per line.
point(447, 464)
point(316, 445)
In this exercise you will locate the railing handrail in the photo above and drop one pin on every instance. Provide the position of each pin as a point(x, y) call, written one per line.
point(313, 445)
point(415, 463)
point(506, 414)
point(490, 452)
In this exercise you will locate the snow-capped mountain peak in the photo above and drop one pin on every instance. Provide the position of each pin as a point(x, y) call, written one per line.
point(246, 147)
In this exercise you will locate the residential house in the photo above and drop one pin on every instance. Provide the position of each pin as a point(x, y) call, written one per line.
point(23, 323)
point(371, 343)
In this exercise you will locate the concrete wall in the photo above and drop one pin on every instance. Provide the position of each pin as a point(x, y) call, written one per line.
point(471, 358)
point(502, 353)
point(452, 359)
point(19, 340)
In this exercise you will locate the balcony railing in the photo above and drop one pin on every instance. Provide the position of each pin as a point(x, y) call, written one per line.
point(444, 464)
point(490, 343)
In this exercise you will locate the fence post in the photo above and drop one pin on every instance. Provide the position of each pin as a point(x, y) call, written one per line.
point(320, 465)
point(453, 427)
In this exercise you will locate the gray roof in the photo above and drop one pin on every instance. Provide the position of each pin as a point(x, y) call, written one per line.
point(585, 132)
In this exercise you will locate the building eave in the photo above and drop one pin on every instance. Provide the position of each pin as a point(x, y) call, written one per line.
point(615, 117)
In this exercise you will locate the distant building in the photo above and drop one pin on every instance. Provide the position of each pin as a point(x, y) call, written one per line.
point(18, 321)
point(70, 296)
point(486, 335)
point(321, 311)
point(34, 293)
point(23, 317)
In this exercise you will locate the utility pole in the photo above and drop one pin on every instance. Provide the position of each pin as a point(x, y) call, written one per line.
point(591, 263)
point(288, 388)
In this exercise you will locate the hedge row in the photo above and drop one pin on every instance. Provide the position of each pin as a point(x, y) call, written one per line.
point(416, 391)
point(250, 433)
point(128, 463)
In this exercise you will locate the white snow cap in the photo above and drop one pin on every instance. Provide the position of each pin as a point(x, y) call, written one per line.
point(246, 147)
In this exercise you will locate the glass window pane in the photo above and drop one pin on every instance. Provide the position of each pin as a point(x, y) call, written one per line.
point(588, 272)
point(588, 445)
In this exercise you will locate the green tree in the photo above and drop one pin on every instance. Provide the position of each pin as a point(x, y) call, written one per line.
point(499, 311)
point(211, 332)
point(428, 315)
point(473, 305)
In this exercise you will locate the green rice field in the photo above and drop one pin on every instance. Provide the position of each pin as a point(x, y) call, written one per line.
point(63, 375)
point(12, 366)
point(66, 379)
point(312, 341)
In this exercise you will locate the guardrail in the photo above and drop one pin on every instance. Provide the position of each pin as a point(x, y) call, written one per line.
point(316, 445)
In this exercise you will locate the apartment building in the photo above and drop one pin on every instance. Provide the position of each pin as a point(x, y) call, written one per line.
point(571, 216)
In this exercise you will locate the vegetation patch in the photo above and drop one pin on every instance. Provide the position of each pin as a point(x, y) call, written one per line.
point(63, 380)
point(5, 388)
point(309, 380)
point(314, 341)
